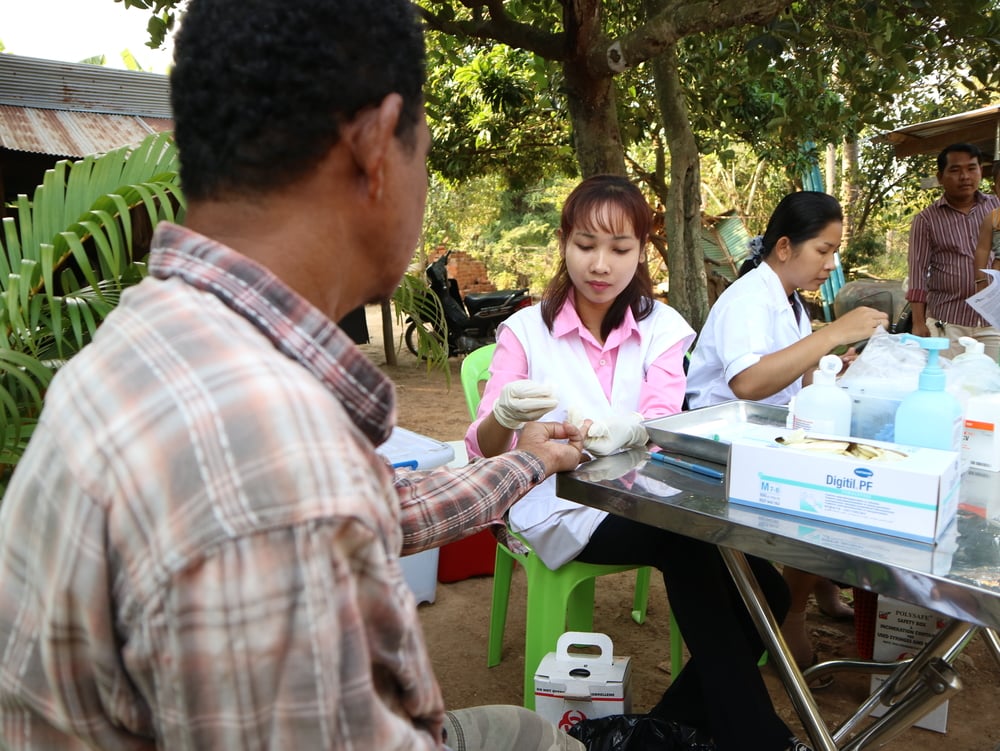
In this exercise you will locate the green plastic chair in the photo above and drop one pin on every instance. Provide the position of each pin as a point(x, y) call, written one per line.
point(558, 600)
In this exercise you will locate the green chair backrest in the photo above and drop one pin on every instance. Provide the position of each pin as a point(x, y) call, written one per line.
point(475, 370)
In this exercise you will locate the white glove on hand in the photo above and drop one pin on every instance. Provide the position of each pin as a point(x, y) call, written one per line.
point(523, 401)
point(614, 433)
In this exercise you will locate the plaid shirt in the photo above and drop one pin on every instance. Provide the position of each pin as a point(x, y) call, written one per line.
point(942, 258)
point(200, 547)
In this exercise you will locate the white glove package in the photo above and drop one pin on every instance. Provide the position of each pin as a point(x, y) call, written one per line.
point(615, 433)
point(523, 401)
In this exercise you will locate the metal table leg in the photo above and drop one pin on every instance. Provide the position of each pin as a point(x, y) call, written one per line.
point(992, 642)
point(914, 688)
point(791, 676)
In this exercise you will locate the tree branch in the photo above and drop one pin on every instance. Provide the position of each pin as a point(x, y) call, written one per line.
point(680, 19)
point(497, 27)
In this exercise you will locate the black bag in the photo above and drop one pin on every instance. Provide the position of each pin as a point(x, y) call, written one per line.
point(638, 732)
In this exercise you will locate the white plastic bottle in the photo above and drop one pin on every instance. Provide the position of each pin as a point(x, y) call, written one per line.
point(930, 416)
point(974, 353)
point(823, 407)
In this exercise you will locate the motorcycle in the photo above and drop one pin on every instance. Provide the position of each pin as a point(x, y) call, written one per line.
point(472, 322)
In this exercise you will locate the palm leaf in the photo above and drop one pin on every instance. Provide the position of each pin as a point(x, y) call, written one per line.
point(67, 254)
point(414, 299)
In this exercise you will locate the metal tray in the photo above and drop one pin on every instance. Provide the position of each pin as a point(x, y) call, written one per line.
point(705, 433)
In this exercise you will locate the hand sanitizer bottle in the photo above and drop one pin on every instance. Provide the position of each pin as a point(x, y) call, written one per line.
point(930, 416)
point(823, 407)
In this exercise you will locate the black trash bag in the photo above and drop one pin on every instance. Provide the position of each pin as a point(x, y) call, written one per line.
point(638, 732)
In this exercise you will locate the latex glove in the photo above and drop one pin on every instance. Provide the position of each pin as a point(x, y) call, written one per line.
point(615, 433)
point(523, 401)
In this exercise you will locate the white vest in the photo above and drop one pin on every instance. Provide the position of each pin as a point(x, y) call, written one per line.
point(557, 529)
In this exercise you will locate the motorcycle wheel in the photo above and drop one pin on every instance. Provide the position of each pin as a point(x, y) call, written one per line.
point(412, 338)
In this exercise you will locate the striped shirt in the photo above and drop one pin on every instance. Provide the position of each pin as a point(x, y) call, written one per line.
point(942, 256)
point(199, 549)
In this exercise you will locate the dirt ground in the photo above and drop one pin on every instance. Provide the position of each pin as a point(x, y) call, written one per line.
point(457, 623)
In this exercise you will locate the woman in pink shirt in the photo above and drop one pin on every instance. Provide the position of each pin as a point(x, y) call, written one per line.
point(599, 348)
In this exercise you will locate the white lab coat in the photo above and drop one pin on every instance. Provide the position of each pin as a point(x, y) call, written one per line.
point(751, 318)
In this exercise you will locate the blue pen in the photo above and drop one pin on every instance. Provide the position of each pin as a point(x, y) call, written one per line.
point(690, 466)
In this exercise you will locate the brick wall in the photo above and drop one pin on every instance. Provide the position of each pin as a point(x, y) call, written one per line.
point(466, 270)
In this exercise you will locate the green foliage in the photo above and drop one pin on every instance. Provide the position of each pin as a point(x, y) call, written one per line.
point(162, 19)
point(513, 232)
point(863, 250)
point(822, 71)
point(414, 299)
point(66, 255)
point(520, 247)
point(495, 110)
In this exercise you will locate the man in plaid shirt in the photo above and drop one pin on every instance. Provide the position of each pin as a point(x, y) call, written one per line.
point(200, 548)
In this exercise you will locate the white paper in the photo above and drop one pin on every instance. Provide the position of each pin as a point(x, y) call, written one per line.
point(986, 302)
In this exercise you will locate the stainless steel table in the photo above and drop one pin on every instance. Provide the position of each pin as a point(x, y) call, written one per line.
point(959, 577)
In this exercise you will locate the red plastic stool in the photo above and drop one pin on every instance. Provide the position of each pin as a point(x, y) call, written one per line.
point(473, 556)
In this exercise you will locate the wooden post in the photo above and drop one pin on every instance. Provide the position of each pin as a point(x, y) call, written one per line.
point(388, 338)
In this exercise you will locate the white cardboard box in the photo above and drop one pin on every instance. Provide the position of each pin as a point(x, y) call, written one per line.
point(573, 687)
point(981, 493)
point(981, 445)
point(915, 497)
point(901, 630)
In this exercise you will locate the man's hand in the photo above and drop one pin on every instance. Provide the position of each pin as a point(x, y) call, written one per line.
point(558, 445)
point(523, 401)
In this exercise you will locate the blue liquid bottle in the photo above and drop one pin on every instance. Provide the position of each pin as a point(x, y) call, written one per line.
point(930, 416)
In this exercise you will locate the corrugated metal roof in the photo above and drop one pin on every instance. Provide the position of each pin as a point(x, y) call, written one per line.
point(72, 134)
point(981, 127)
point(74, 109)
point(724, 240)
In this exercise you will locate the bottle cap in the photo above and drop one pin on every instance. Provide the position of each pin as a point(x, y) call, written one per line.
point(972, 346)
point(826, 374)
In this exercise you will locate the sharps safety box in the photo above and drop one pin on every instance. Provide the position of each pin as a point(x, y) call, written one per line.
point(570, 687)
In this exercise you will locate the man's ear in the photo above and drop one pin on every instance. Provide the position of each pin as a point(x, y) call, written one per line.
point(370, 136)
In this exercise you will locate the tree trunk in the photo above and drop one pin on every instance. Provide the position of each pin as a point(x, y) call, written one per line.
point(596, 136)
point(388, 338)
point(849, 190)
point(831, 169)
point(685, 264)
point(590, 94)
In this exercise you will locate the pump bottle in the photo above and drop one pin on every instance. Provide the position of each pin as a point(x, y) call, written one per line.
point(930, 416)
point(823, 407)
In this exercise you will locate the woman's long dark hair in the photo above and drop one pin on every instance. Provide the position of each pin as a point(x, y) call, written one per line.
point(799, 217)
point(604, 199)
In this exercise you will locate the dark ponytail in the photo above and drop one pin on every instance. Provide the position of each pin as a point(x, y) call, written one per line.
point(799, 217)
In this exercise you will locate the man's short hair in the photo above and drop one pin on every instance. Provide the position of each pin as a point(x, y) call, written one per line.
point(260, 88)
point(963, 148)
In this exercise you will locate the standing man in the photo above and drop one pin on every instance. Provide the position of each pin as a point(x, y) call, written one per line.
point(200, 547)
point(943, 237)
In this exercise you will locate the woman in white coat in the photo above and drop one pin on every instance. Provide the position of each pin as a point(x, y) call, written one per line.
point(758, 344)
point(599, 347)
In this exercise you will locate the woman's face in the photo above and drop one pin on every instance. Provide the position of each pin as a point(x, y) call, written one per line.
point(810, 262)
point(600, 263)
